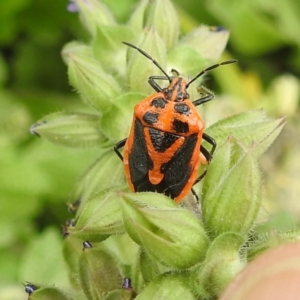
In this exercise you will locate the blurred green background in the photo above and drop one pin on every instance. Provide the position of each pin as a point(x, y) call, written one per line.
point(37, 177)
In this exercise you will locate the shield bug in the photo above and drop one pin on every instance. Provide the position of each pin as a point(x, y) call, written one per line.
point(163, 151)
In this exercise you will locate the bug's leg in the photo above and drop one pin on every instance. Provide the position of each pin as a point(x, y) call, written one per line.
point(119, 145)
point(154, 84)
point(207, 154)
point(200, 177)
point(207, 95)
point(195, 195)
point(211, 141)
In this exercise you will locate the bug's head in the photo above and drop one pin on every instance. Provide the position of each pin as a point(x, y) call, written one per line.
point(176, 91)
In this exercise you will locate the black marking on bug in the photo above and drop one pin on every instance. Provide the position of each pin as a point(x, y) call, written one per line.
point(180, 127)
point(158, 102)
point(139, 160)
point(182, 108)
point(178, 170)
point(160, 140)
point(150, 118)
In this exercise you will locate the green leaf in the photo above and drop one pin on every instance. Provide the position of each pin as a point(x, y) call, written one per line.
point(43, 262)
point(262, 34)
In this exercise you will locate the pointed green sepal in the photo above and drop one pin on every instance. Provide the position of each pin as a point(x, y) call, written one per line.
point(140, 68)
point(162, 16)
point(100, 217)
point(108, 48)
point(116, 122)
point(86, 75)
point(188, 62)
point(50, 293)
point(222, 262)
point(209, 42)
point(72, 248)
point(93, 14)
point(168, 286)
point(71, 130)
point(232, 197)
point(137, 18)
point(98, 273)
point(169, 233)
point(150, 268)
point(251, 128)
point(106, 172)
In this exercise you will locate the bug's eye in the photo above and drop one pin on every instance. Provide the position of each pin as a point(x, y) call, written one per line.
point(187, 96)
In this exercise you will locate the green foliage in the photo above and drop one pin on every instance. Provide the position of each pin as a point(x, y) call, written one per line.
point(37, 178)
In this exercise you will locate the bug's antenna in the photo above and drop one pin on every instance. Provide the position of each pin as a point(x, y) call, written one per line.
point(149, 57)
point(227, 62)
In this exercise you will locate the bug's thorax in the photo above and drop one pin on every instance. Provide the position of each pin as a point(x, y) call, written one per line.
point(176, 91)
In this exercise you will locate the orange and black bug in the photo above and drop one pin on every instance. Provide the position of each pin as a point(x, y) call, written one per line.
point(163, 151)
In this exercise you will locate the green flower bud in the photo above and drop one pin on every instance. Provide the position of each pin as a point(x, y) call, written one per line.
point(116, 122)
point(86, 74)
point(100, 217)
point(231, 201)
point(169, 233)
point(98, 273)
point(107, 171)
point(94, 14)
point(252, 128)
point(108, 48)
point(140, 68)
point(209, 42)
point(187, 61)
point(49, 293)
point(221, 264)
point(72, 248)
point(163, 17)
point(72, 130)
point(150, 268)
point(168, 286)
point(137, 18)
